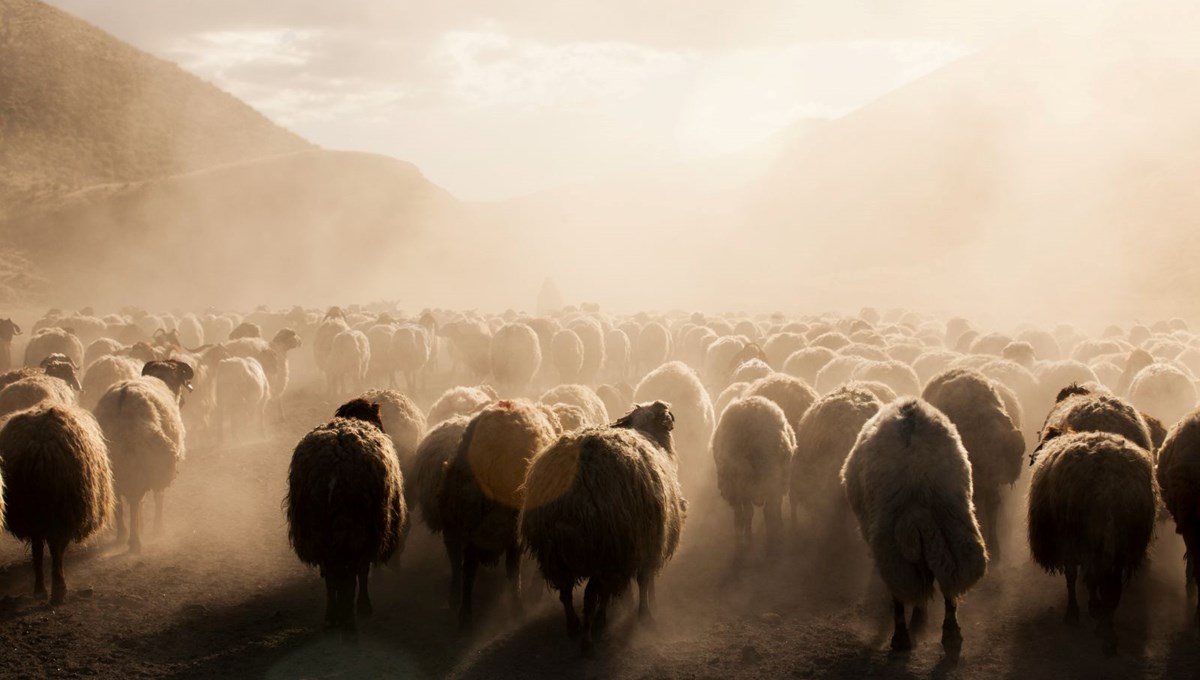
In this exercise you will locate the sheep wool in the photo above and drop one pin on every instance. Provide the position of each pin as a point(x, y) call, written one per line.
point(594, 411)
point(1178, 475)
point(59, 490)
point(753, 447)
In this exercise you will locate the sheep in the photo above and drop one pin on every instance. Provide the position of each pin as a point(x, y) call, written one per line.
point(1045, 346)
point(59, 484)
point(653, 347)
point(727, 396)
point(591, 334)
point(719, 360)
point(932, 362)
point(895, 374)
point(349, 357)
point(791, 394)
point(246, 329)
point(1178, 476)
point(1163, 391)
point(836, 373)
point(780, 346)
point(618, 352)
point(617, 398)
point(8, 329)
point(605, 505)
point(567, 351)
point(345, 507)
point(53, 341)
point(595, 413)
point(140, 419)
point(403, 423)
point(995, 445)
point(459, 401)
point(908, 482)
point(753, 447)
point(750, 371)
point(433, 456)
point(379, 338)
point(273, 356)
point(483, 491)
point(677, 384)
point(1092, 504)
point(32, 389)
point(100, 348)
point(1054, 375)
point(242, 393)
point(806, 363)
point(863, 351)
point(470, 343)
point(412, 350)
point(102, 374)
point(824, 437)
point(516, 356)
point(1077, 409)
point(331, 326)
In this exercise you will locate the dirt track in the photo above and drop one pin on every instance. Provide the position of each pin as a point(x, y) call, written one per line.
point(220, 595)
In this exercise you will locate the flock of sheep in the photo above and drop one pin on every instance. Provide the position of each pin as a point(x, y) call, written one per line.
point(572, 438)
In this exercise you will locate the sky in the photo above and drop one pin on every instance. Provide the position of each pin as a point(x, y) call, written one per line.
point(499, 98)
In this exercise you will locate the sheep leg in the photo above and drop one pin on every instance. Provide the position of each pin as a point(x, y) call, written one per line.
point(364, 596)
point(454, 553)
point(1193, 575)
point(1072, 617)
point(1110, 597)
point(601, 621)
point(591, 598)
point(512, 569)
point(918, 619)
point(38, 546)
point(470, 566)
point(566, 595)
point(58, 589)
point(330, 599)
point(158, 512)
point(645, 581)
point(951, 633)
point(345, 582)
point(901, 642)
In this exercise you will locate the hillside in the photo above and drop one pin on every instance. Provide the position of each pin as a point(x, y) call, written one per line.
point(79, 107)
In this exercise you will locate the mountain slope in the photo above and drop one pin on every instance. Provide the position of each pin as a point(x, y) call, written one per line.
point(79, 107)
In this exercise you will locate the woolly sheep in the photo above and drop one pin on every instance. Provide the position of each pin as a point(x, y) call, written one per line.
point(933, 362)
point(836, 373)
point(59, 484)
point(53, 341)
point(412, 350)
point(882, 392)
point(824, 438)
point(140, 419)
point(273, 356)
point(1163, 391)
point(1092, 504)
point(516, 356)
point(100, 348)
point(617, 354)
point(676, 384)
point(895, 374)
point(1079, 410)
point(1178, 476)
point(102, 374)
point(994, 444)
point(33, 390)
point(719, 360)
point(383, 366)
point(458, 401)
point(567, 352)
point(483, 492)
point(433, 455)
point(403, 423)
point(591, 334)
point(863, 351)
point(752, 448)
point(617, 398)
point(578, 395)
point(242, 393)
point(727, 396)
point(791, 394)
point(908, 482)
point(1045, 347)
point(331, 326)
point(348, 359)
point(345, 506)
point(806, 363)
point(604, 505)
point(8, 329)
point(750, 371)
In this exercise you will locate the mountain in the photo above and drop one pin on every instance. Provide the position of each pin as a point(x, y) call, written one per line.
point(79, 107)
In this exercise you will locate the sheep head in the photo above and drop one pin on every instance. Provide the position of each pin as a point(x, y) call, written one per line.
point(176, 374)
point(1070, 391)
point(247, 329)
point(286, 340)
point(361, 409)
point(334, 313)
point(170, 338)
point(60, 366)
point(654, 420)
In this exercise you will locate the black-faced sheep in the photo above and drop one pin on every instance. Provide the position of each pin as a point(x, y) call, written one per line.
point(345, 506)
point(482, 492)
point(908, 481)
point(59, 484)
point(995, 445)
point(604, 505)
point(1080, 410)
point(1092, 504)
point(1178, 475)
point(140, 419)
point(752, 448)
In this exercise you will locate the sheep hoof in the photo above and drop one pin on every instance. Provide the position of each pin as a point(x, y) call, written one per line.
point(39, 592)
point(952, 641)
point(58, 597)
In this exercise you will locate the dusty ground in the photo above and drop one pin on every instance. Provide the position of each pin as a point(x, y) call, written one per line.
point(220, 595)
